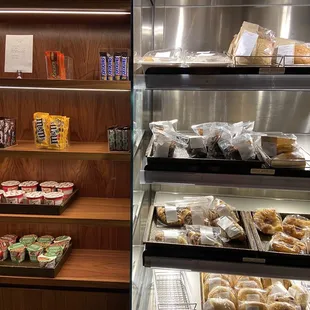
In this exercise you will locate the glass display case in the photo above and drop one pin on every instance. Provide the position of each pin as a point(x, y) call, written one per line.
point(175, 167)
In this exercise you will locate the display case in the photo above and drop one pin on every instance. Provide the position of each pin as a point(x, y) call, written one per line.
point(176, 167)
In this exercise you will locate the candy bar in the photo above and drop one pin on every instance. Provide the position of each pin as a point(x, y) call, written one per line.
point(103, 66)
point(118, 66)
point(125, 70)
point(110, 68)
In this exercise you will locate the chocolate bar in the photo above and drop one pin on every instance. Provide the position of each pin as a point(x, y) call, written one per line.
point(118, 139)
point(111, 138)
point(125, 138)
point(103, 66)
point(125, 72)
point(110, 68)
point(118, 66)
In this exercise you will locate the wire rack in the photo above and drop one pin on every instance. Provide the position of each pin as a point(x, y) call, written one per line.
point(171, 292)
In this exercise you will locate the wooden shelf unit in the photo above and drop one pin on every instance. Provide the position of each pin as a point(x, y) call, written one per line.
point(84, 210)
point(75, 151)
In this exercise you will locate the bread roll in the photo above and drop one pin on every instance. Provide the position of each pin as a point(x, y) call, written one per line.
point(281, 306)
point(300, 294)
point(212, 283)
point(252, 294)
point(223, 293)
point(255, 279)
point(220, 304)
point(207, 276)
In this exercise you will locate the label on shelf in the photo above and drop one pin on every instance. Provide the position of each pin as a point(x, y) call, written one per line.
point(263, 171)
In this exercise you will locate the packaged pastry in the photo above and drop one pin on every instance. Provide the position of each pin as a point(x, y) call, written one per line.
point(164, 125)
point(252, 305)
point(164, 56)
point(282, 242)
point(247, 278)
point(247, 284)
point(207, 58)
point(232, 229)
point(306, 240)
point(17, 252)
point(251, 294)
point(197, 147)
point(29, 186)
point(300, 294)
point(245, 146)
point(206, 276)
point(212, 283)
point(204, 235)
point(229, 150)
point(289, 160)
point(10, 185)
point(219, 304)
point(27, 240)
point(254, 45)
point(47, 261)
point(55, 65)
point(63, 241)
point(34, 198)
point(221, 208)
point(171, 215)
point(53, 198)
point(296, 225)
point(14, 196)
point(274, 145)
point(59, 130)
point(49, 186)
point(177, 236)
point(268, 221)
point(66, 188)
point(34, 251)
point(41, 129)
point(223, 292)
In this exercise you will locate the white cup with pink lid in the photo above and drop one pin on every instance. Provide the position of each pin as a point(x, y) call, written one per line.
point(53, 198)
point(10, 185)
point(66, 188)
point(34, 198)
point(29, 186)
point(48, 186)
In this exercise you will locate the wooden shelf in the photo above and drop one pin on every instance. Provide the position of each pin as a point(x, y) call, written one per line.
point(86, 269)
point(79, 151)
point(85, 210)
point(71, 85)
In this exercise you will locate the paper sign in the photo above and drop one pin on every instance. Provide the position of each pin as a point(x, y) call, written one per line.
point(162, 54)
point(18, 53)
point(247, 44)
point(286, 50)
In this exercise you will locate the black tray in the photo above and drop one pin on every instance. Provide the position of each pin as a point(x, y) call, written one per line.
point(234, 251)
point(30, 269)
point(273, 257)
point(201, 165)
point(7, 208)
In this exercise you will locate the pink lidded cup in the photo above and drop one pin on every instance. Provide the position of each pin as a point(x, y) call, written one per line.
point(10, 185)
point(48, 186)
point(53, 198)
point(34, 198)
point(29, 186)
point(1, 195)
point(14, 197)
point(66, 188)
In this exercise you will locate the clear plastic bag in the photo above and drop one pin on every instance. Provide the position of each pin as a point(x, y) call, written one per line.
point(233, 231)
point(164, 126)
point(163, 56)
point(296, 226)
point(306, 241)
point(284, 243)
point(245, 146)
point(223, 292)
point(251, 294)
point(204, 235)
point(247, 284)
point(212, 283)
point(300, 295)
point(247, 278)
point(252, 305)
point(176, 236)
point(197, 147)
point(207, 58)
point(219, 304)
point(274, 145)
point(221, 208)
point(225, 277)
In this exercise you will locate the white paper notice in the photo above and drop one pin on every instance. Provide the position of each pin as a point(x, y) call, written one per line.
point(18, 53)
point(247, 44)
point(286, 50)
point(162, 54)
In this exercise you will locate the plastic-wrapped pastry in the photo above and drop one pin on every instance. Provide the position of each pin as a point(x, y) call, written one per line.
point(267, 282)
point(275, 145)
point(251, 294)
point(223, 292)
point(268, 221)
point(300, 294)
point(219, 304)
point(252, 305)
point(204, 235)
point(289, 160)
point(171, 215)
point(171, 236)
point(282, 242)
point(196, 147)
point(213, 283)
point(229, 150)
point(231, 228)
point(282, 306)
point(245, 146)
point(296, 225)
point(226, 277)
point(255, 279)
point(222, 208)
point(247, 284)
point(163, 56)
point(306, 241)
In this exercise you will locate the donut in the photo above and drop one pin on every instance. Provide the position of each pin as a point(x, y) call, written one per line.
point(212, 283)
point(247, 294)
point(296, 226)
point(281, 306)
point(255, 279)
point(282, 242)
point(248, 305)
point(268, 221)
point(224, 293)
point(219, 304)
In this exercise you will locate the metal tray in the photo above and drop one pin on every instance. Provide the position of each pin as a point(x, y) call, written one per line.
point(202, 165)
point(234, 251)
point(7, 208)
point(276, 258)
point(30, 269)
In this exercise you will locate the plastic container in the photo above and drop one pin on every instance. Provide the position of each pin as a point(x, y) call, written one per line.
point(54, 199)
point(34, 198)
point(45, 241)
point(66, 188)
point(34, 251)
point(27, 240)
point(17, 252)
point(29, 186)
point(10, 185)
point(48, 186)
point(47, 261)
point(63, 241)
point(14, 197)
point(1, 195)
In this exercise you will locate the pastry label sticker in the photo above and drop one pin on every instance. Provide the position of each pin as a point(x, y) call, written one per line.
point(171, 214)
point(162, 150)
point(223, 295)
point(209, 235)
point(197, 216)
point(252, 297)
point(286, 51)
point(247, 44)
point(171, 236)
point(225, 222)
point(196, 142)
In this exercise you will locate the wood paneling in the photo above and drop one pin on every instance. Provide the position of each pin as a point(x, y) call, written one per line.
point(84, 210)
point(33, 299)
point(87, 269)
point(93, 178)
point(83, 236)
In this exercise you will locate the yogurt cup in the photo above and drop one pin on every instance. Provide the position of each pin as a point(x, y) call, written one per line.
point(63, 241)
point(29, 186)
point(14, 196)
point(53, 198)
point(34, 198)
point(27, 240)
point(48, 186)
point(34, 251)
point(8, 239)
point(66, 188)
point(3, 252)
point(17, 252)
point(10, 185)
point(47, 261)
point(1, 195)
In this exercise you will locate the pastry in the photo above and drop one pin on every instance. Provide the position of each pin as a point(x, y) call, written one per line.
point(210, 284)
point(181, 217)
point(251, 294)
point(204, 235)
point(247, 284)
point(255, 279)
point(282, 242)
point(231, 228)
point(251, 305)
point(300, 294)
point(273, 146)
point(289, 160)
point(267, 282)
point(226, 277)
point(268, 221)
point(173, 236)
point(221, 208)
point(223, 292)
point(281, 306)
point(296, 226)
point(219, 304)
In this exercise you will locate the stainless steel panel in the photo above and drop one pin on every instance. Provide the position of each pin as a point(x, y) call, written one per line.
point(272, 111)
